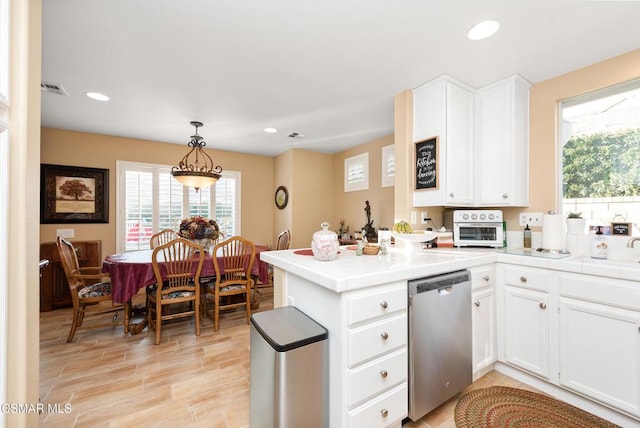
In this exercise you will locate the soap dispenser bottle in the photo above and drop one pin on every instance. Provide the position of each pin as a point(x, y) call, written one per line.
point(527, 237)
point(599, 247)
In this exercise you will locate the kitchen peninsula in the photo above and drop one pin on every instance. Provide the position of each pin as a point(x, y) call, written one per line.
point(362, 302)
point(558, 305)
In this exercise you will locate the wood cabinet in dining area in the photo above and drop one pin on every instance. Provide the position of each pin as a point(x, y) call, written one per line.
point(54, 289)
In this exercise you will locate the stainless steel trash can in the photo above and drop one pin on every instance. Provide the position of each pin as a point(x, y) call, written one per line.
point(289, 370)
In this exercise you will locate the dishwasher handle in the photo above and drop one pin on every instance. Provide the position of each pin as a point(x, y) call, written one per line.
point(442, 283)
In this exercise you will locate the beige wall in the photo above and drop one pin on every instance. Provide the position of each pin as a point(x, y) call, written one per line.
point(283, 176)
point(101, 151)
point(311, 195)
point(350, 205)
point(545, 96)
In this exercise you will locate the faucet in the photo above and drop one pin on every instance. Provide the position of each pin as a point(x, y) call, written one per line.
point(632, 242)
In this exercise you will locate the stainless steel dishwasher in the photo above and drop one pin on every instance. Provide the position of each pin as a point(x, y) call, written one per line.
point(440, 354)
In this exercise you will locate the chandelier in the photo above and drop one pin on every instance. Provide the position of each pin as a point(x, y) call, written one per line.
point(200, 173)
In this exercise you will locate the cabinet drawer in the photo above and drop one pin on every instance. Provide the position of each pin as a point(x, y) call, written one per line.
point(533, 279)
point(482, 277)
point(376, 376)
point(609, 291)
point(367, 342)
point(365, 306)
point(385, 410)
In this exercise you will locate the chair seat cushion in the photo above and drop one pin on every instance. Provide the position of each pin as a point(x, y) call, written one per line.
point(173, 294)
point(211, 287)
point(99, 289)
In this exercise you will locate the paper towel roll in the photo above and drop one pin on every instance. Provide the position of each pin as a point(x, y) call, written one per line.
point(552, 232)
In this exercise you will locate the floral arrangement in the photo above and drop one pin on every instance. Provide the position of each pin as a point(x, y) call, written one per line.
point(199, 228)
point(343, 229)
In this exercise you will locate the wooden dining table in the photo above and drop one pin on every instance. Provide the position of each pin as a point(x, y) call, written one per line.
point(132, 271)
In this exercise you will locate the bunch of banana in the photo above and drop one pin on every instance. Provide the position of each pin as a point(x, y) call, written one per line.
point(402, 227)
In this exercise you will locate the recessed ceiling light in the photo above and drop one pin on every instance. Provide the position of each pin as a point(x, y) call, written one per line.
point(483, 29)
point(270, 130)
point(97, 96)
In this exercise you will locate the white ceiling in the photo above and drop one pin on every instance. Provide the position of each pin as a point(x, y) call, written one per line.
point(328, 69)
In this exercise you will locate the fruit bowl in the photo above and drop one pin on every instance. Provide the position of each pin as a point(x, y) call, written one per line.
point(415, 237)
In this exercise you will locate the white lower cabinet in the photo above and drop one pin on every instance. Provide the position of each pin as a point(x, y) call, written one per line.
point(376, 389)
point(579, 332)
point(483, 318)
point(599, 347)
point(526, 319)
point(527, 330)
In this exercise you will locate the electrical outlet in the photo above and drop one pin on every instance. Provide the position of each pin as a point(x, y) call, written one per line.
point(414, 218)
point(290, 301)
point(531, 219)
point(65, 233)
point(424, 217)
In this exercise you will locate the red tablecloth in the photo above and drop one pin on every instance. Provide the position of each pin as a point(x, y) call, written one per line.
point(132, 271)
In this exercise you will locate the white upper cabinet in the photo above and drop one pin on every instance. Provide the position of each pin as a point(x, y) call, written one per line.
point(502, 143)
point(483, 152)
point(444, 108)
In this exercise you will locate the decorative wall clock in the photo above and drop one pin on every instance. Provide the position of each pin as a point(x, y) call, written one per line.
point(281, 197)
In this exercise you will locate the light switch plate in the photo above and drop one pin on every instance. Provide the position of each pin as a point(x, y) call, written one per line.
point(65, 233)
point(414, 218)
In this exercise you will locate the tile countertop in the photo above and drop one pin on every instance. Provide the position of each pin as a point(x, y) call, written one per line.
point(619, 269)
point(351, 272)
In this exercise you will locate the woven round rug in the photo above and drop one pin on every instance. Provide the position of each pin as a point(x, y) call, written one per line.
point(502, 407)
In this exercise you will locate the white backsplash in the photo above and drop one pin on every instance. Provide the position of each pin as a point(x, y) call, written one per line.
point(580, 245)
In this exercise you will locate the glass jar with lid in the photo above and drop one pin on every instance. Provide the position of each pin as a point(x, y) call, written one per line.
point(324, 244)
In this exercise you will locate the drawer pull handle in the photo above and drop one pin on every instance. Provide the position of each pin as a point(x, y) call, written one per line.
point(477, 303)
point(486, 278)
point(543, 305)
point(523, 279)
point(384, 374)
point(384, 335)
point(505, 196)
point(384, 304)
point(384, 413)
point(451, 195)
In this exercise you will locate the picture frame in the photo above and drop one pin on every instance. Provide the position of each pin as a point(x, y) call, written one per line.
point(281, 197)
point(426, 164)
point(73, 194)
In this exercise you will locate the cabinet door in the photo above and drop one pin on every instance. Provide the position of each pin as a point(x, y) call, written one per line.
point(600, 353)
point(502, 140)
point(527, 330)
point(459, 171)
point(484, 328)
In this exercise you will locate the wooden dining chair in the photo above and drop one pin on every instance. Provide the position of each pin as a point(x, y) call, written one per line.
point(233, 259)
point(90, 290)
point(177, 284)
point(283, 242)
point(162, 238)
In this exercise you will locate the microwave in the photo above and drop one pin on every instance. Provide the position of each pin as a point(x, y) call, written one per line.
point(478, 228)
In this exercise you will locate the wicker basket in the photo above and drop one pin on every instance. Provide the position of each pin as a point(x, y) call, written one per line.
point(370, 250)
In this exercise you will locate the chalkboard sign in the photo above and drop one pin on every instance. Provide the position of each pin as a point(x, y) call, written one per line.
point(426, 164)
point(621, 229)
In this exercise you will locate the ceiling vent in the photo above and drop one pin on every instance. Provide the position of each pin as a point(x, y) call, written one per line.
point(295, 135)
point(53, 88)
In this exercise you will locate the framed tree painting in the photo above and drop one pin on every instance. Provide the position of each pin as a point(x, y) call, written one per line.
point(73, 194)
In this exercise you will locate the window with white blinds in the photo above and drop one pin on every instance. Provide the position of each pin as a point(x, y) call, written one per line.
point(150, 200)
